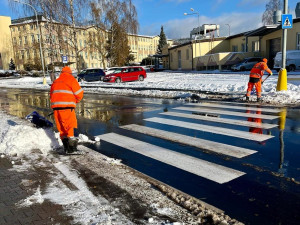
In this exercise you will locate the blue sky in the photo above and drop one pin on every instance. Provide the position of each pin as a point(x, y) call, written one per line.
point(241, 15)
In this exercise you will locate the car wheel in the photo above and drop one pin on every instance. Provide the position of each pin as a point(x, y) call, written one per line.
point(277, 70)
point(117, 80)
point(141, 78)
point(292, 68)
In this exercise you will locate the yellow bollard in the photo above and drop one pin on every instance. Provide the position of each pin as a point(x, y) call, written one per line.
point(282, 80)
point(282, 119)
point(44, 81)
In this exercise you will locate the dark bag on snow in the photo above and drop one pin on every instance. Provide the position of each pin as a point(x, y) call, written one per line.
point(38, 120)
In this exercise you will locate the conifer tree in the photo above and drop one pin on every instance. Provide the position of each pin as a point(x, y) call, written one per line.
point(162, 41)
point(12, 65)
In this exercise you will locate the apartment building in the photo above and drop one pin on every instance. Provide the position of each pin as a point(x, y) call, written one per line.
point(57, 39)
point(6, 52)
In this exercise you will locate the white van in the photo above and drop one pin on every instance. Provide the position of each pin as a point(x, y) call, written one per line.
point(292, 60)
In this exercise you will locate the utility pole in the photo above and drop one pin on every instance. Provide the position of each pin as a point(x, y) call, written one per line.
point(284, 37)
point(286, 22)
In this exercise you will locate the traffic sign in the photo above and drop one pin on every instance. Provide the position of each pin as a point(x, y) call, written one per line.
point(287, 21)
point(65, 59)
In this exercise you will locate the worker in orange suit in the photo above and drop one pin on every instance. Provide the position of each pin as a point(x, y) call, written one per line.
point(255, 129)
point(65, 92)
point(256, 75)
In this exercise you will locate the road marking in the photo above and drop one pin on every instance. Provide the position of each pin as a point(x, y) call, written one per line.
point(231, 113)
point(212, 129)
point(208, 170)
point(222, 120)
point(233, 107)
point(192, 141)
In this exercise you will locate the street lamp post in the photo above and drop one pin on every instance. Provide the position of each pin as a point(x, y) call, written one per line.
point(40, 37)
point(228, 29)
point(196, 12)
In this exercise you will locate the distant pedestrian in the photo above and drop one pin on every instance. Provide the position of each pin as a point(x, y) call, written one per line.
point(65, 92)
point(256, 75)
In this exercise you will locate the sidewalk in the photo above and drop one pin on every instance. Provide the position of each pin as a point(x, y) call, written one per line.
point(91, 189)
point(14, 188)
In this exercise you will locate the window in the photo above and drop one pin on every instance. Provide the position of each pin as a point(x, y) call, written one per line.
point(298, 41)
point(38, 37)
point(234, 48)
point(31, 27)
point(25, 40)
point(187, 54)
point(243, 47)
point(20, 41)
point(255, 46)
point(32, 38)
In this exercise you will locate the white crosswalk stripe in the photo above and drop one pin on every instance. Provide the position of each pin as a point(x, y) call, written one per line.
point(212, 129)
point(221, 120)
point(233, 107)
point(212, 146)
point(208, 170)
point(223, 112)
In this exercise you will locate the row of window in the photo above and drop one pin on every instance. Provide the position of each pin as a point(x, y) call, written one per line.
point(23, 28)
point(255, 47)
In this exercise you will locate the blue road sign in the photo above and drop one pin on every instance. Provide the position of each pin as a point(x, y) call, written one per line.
point(65, 59)
point(287, 21)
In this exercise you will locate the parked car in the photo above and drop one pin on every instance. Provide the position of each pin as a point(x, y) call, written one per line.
point(292, 60)
point(125, 74)
point(91, 75)
point(246, 64)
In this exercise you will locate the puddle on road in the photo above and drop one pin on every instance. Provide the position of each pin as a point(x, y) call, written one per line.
point(269, 193)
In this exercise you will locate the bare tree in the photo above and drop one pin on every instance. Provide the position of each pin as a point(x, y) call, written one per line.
point(118, 18)
point(271, 6)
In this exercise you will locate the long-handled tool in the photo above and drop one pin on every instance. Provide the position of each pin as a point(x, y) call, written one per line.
point(266, 78)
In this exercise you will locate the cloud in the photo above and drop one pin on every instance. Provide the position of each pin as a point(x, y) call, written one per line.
point(180, 28)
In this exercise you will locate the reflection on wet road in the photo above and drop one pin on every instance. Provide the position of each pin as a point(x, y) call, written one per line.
point(202, 149)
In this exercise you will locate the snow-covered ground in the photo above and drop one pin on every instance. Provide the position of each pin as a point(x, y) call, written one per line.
point(169, 84)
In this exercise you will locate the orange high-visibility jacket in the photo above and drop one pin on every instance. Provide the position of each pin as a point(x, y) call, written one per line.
point(258, 70)
point(65, 90)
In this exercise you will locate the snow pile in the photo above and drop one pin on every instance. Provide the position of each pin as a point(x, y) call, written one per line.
point(19, 139)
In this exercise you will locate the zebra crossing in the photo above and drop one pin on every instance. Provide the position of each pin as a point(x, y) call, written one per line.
point(202, 168)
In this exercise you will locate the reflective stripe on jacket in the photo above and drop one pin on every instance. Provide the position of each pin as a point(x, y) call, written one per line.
point(258, 70)
point(65, 91)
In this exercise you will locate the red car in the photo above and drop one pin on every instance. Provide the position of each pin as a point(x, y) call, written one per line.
point(125, 74)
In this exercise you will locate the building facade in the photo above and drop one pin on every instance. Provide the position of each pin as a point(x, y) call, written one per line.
point(222, 53)
point(6, 52)
point(22, 37)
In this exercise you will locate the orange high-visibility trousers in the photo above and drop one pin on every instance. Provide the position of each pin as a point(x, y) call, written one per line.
point(66, 121)
point(257, 87)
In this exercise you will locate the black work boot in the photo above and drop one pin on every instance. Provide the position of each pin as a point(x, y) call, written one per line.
point(65, 142)
point(247, 98)
point(73, 142)
point(258, 99)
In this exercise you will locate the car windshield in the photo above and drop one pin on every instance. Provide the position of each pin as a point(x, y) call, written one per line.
point(83, 72)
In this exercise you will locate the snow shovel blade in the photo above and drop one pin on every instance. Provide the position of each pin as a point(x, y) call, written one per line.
point(38, 120)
